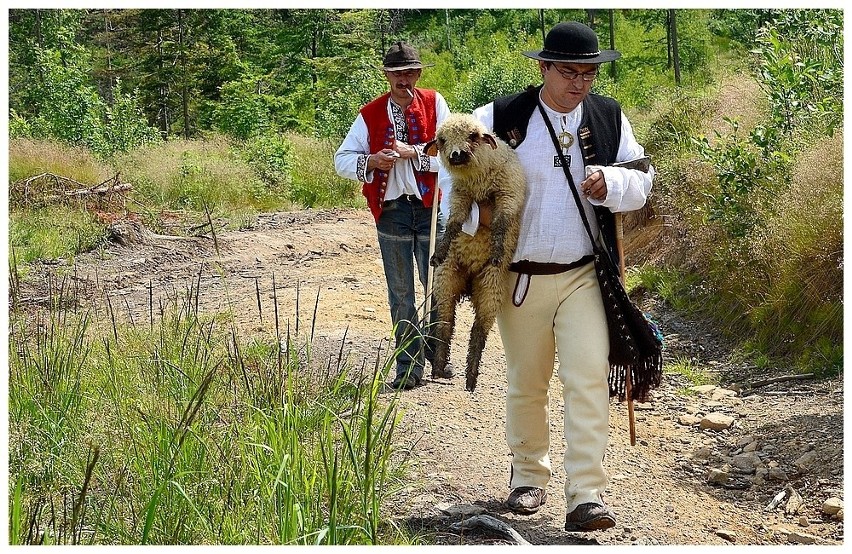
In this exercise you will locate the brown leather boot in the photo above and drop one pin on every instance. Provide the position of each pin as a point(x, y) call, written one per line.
point(526, 500)
point(590, 517)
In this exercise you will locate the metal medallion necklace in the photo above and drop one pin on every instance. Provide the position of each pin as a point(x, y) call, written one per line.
point(566, 139)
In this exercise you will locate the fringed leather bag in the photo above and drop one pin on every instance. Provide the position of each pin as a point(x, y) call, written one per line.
point(635, 343)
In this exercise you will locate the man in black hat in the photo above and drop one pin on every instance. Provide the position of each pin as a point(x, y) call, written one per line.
point(384, 150)
point(555, 298)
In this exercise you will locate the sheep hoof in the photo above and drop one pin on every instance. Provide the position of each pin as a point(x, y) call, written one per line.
point(435, 261)
point(446, 373)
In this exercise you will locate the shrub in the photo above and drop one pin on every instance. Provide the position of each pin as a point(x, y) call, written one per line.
point(246, 110)
point(503, 73)
point(70, 110)
point(268, 154)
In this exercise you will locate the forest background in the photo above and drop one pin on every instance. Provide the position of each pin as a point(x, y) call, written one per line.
point(225, 114)
point(191, 89)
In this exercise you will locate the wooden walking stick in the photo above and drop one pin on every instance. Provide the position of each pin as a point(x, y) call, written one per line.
point(642, 164)
point(619, 243)
point(433, 231)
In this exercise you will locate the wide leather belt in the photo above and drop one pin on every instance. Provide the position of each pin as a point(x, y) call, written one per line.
point(408, 198)
point(538, 268)
point(525, 268)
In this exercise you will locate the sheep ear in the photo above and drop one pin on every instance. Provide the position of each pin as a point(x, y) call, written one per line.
point(489, 138)
point(431, 148)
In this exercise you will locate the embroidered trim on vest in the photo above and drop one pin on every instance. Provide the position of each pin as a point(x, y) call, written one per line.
point(425, 160)
point(420, 119)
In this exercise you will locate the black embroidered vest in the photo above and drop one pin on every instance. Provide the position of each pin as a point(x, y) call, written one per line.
point(599, 135)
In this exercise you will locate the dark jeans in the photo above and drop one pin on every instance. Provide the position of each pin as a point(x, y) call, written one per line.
point(403, 231)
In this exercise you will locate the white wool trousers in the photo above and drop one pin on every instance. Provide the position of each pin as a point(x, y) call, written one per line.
point(562, 314)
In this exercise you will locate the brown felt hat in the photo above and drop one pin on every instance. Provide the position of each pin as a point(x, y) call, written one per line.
point(572, 42)
point(402, 56)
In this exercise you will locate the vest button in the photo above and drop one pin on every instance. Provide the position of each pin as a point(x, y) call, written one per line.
point(512, 142)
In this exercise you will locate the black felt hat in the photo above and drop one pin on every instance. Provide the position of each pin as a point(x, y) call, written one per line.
point(572, 42)
point(402, 56)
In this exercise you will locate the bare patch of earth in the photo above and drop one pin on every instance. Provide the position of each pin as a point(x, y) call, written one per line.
point(681, 484)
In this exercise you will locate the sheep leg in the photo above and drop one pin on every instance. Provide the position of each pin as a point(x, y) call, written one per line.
point(449, 285)
point(501, 223)
point(442, 249)
point(487, 296)
point(460, 207)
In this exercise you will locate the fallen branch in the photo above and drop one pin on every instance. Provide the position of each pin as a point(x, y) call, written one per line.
point(107, 189)
point(490, 524)
point(781, 379)
point(46, 188)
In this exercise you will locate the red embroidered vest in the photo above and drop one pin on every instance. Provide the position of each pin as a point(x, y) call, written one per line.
point(420, 116)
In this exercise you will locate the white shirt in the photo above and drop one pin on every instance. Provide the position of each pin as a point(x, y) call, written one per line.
point(350, 160)
point(552, 230)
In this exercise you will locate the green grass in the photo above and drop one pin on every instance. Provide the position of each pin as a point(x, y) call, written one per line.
point(315, 183)
point(55, 232)
point(189, 174)
point(234, 181)
point(178, 431)
point(28, 158)
point(694, 375)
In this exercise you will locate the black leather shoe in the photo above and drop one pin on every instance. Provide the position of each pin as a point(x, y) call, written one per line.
point(526, 500)
point(590, 517)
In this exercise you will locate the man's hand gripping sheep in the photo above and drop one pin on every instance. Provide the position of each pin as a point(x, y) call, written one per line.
point(484, 170)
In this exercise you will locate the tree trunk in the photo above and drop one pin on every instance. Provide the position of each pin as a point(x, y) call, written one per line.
point(163, 116)
point(447, 27)
point(184, 92)
point(668, 39)
point(590, 14)
point(675, 56)
point(612, 72)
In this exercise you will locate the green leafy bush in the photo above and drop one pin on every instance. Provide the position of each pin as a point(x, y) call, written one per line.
point(801, 69)
point(70, 110)
point(246, 110)
point(344, 86)
point(503, 73)
point(268, 154)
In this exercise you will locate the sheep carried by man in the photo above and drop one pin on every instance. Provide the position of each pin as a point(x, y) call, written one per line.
point(486, 171)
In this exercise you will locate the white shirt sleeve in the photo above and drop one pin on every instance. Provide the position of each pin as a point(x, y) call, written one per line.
point(350, 160)
point(627, 189)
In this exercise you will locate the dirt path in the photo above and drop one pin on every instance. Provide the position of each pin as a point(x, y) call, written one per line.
point(789, 433)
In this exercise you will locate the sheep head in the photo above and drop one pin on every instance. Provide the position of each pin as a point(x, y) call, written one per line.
point(457, 140)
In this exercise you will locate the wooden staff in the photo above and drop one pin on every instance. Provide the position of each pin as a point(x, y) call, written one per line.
point(642, 164)
point(619, 243)
point(433, 231)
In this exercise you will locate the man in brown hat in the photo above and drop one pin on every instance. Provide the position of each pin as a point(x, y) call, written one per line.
point(553, 301)
point(384, 150)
